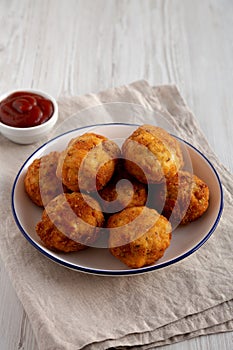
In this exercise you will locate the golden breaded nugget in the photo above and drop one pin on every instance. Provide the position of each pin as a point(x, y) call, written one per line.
point(70, 222)
point(123, 191)
point(88, 163)
point(41, 182)
point(151, 154)
point(138, 236)
point(186, 198)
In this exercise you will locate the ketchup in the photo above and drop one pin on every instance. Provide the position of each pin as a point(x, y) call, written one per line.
point(25, 109)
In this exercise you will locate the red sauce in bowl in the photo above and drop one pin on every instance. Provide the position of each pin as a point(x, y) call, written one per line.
point(25, 109)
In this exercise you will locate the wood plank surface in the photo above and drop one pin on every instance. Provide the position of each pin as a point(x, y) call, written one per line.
point(73, 47)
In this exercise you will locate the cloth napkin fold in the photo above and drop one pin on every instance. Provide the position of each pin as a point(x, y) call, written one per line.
point(71, 310)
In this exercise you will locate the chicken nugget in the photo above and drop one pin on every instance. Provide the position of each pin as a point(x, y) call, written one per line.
point(88, 163)
point(152, 155)
point(139, 236)
point(122, 191)
point(70, 222)
point(186, 198)
point(41, 183)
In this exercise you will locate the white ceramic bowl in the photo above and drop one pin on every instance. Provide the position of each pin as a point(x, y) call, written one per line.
point(185, 240)
point(32, 134)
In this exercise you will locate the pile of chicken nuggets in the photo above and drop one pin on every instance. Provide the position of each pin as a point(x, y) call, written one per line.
point(134, 195)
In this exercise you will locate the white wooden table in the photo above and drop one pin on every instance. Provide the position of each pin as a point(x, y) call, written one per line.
point(75, 47)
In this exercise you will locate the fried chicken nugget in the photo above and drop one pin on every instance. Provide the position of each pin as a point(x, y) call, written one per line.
point(138, 236)
point(41, 182)
point(88, 163)
point(186, 198)
point(70, 222)
point(123, 191)
point(151, 154)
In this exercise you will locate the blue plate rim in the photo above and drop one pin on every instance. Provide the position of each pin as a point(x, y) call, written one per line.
point(104, 272)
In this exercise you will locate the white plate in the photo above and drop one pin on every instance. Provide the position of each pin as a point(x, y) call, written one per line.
point(185, 240)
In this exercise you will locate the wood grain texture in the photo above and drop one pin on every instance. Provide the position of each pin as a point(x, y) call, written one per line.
point(80, 46)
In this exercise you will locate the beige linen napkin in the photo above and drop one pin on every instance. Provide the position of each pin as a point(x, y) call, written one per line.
point(71, 310)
